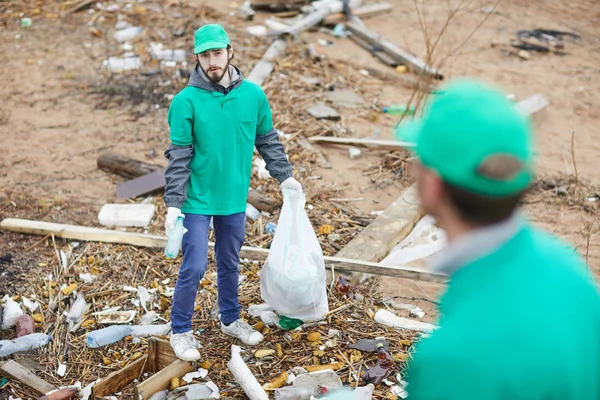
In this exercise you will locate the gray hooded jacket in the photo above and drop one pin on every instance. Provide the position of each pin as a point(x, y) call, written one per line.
point(178, 170)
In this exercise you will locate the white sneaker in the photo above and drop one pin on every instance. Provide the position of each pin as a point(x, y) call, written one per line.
point(185, 346)
point(240, 329)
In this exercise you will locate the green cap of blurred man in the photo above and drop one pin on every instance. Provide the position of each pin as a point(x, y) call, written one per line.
point(475, 139)
point(210, 37)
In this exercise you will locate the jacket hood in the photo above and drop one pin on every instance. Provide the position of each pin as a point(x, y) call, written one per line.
point(199, 79)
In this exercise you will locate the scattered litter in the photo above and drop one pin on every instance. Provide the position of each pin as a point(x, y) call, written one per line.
point(244, 377)
point(270, 228)
point(148, 318)
point(25, 325)
point(370, 345)
point(150, 330)
point(11, 313)
point(62, 369)
point(124, 35)
point(116, 317)
point(23, 343)
point(252, 212)
point(159, 53)
point(122, 64)
point(190, 376)
point(87, 277)
point(345, 98)
point(323, 111)
point(354, 152)
point(30, 305)
point(107, 335)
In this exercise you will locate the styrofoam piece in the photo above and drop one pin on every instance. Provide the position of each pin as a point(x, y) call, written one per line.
point(134, 215)
point(388, 318)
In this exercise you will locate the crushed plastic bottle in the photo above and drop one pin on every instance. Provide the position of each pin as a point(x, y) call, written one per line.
point(23, 343)
point(377, 373)
point(270, 228)
point(252, 212)
point(399, 109)
point(175, 238)
point(289, 323)
point(124, 35)
point(108, 335)
point(25, 325)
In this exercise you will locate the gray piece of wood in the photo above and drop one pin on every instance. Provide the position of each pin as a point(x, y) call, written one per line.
point(142, 185)
point(345, 98)
point(362, 11)
point(323, 9)
point(323, 111)
point(375, 52)
point(401, 55)
point(19, 373)
point(265, 66)
point(75, 232)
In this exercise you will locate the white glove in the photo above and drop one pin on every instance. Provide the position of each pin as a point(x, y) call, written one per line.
point(172, 214)
point(291, 184)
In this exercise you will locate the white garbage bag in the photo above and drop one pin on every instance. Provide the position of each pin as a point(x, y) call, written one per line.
point(292, 281)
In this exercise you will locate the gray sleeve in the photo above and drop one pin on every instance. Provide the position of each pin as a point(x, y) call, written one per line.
point(177, 174)
point(271, 150)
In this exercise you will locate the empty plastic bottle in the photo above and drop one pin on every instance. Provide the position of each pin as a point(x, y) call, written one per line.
point(24, 343)
point(175, 238)
point(126, 34)
point(377, 374)
point(399, 109)
point(111, 334)
point(270, 228)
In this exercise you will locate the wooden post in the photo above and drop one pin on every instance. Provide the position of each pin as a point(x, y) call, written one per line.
point(161, 379)
point(362, 11)
point(19, 373)
point(265, 66)
point(402, 56)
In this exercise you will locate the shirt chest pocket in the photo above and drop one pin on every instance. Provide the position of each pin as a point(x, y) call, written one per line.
point(246, 127)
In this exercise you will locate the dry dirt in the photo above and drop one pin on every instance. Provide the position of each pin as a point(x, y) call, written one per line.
point(52, 133)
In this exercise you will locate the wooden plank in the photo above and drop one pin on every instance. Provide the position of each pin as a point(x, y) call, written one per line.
point(117, 380)
point(342, 263)
point(323, 9)
point(19, 373)
point(386, 231)
point(375, 51)
point(401, 55)
point(362, 11)
point(263, 68)
point(162, 378)
point(164, 353)
point(142, 185)
point(371, 143)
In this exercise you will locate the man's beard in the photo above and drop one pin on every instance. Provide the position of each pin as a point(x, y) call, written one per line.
point(215, 76)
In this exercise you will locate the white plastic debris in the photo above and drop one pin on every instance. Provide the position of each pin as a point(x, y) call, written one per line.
point(256, 309)
point(122, 64)
point(61, 370)
point(126, 215)
point(64, 259)
point(260, 169)
point(160, 53)
point(190, 376)
point(252, 212)
point(244, 377)
point(354, 152)
point(124, 35)
point(30, 305)
point(11, 313)
point(388, 318)
point(144, 296)
point(148, 318)
point(87, 277)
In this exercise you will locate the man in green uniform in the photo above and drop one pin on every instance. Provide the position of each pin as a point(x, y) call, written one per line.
point(520, 318)
point(215, 124)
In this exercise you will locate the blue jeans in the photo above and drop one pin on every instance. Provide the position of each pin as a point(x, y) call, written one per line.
point(229, 237)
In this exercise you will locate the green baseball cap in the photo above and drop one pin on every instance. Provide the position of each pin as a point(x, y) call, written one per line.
point(210, 37)
point(474, 138)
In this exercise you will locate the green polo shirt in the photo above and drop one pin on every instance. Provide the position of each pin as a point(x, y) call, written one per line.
point(222, 128)
point(521, 321)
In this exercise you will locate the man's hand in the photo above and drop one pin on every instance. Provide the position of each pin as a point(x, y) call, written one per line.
point(172, 214)
point(291, 184)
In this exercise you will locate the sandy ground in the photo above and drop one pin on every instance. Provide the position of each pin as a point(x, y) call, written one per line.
point(52, 135)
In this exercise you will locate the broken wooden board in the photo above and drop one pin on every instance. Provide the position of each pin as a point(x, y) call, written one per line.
point(128, 215)
point(142, 185)
point(160, 355)
point(19, 373)
point(371, 143)
point(402, 56)
point(323, 9)
point(345, 98)
point(386, 231)
point(161, 379)
point(124, 166)
point(265, 66)
point(375, 51)
point(323, 111)
point(362, 11)
point(75, 232)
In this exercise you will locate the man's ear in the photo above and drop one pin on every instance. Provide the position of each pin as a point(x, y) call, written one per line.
point(230, 53)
